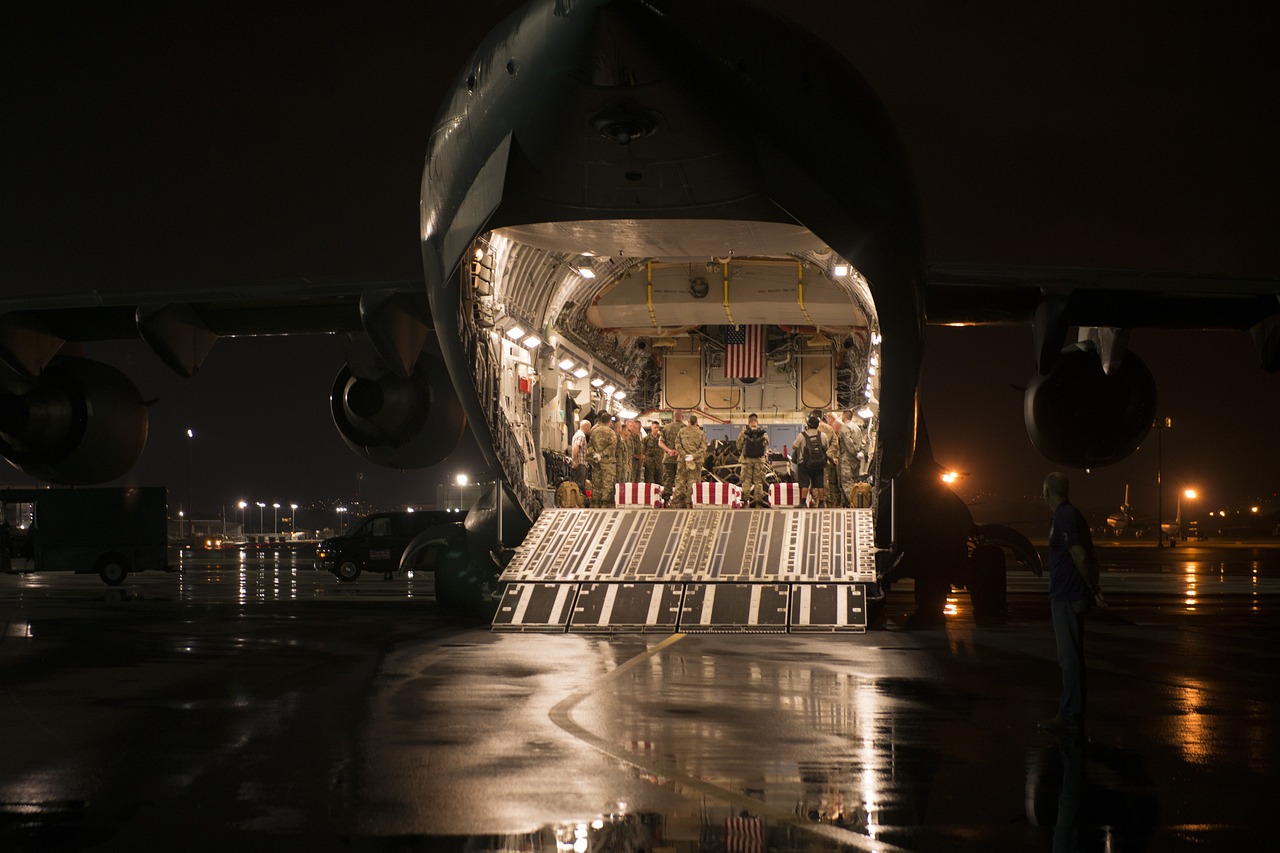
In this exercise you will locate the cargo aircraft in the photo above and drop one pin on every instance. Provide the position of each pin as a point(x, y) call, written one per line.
point(611, 186)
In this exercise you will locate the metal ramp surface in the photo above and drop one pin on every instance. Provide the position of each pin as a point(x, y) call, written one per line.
point(707, 569)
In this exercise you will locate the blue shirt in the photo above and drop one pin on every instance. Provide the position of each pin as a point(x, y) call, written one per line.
point(1069, 528)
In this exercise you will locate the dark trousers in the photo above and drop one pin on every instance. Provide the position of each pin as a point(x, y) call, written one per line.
point(1068, 630)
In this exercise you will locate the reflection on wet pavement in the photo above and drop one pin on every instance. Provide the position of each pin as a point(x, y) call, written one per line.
point(264, 703)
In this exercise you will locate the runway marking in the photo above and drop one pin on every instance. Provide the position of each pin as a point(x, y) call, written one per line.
point(562, 715)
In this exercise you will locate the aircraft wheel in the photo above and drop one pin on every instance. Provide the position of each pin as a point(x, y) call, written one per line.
point(988, 584)
point(347, 571)
point(113, 569)
point(931, 598)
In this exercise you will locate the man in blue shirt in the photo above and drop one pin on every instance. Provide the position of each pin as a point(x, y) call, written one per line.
point(1070, 594)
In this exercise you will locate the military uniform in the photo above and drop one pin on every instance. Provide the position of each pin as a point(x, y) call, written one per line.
point(830, 485)
point(628, 463)
point(753, 470)
point(669, 433)
point(851, 442)
point(602, 458)
point(652, 457)
point(691, 455)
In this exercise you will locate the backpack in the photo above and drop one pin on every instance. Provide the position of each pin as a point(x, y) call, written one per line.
point(814, 456)
point(568, 495)
point(753, 444)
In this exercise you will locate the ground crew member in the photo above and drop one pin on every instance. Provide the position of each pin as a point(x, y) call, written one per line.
point(653, 454)
point(602, 457)
point(667, 443)
point(852, 455)
point(691, 455)
point(753, 453)
point(834, 486)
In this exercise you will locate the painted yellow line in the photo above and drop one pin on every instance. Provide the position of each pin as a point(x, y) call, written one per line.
point(562, 715)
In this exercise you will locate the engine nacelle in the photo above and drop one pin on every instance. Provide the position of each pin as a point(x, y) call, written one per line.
point(1081, 417)
point(80, 423)
point(395, 422)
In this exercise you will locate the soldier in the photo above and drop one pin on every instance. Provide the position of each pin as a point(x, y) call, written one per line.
point(852, 455)
point(625, 454)
point(753, 453)
point(835, 487)
point(653, 454)
point(691, 455)
point(809, 452)
point(635, 447)
point(829, 434)
point(602, 456)
point(578, 459)
point(667, 444)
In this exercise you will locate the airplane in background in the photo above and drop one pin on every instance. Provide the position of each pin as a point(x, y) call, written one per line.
point(1123, 520)
point(590, 225)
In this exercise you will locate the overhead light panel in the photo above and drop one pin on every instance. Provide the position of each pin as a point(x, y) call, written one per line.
point(840, 269)
point(618, 395)
point(581, 372)
point(608, 389)
point(865, 413)
point(586, 272)
point(532, 341)
point(567, 364)
point(597, 382)
point(515, 333)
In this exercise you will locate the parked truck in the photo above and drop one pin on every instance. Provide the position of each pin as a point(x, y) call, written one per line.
point(111, 531)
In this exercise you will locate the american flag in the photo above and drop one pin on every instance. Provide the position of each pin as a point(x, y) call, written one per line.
point(743, 352)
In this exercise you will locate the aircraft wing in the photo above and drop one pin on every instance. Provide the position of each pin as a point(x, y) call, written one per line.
point(181, 324)
point(976, 294)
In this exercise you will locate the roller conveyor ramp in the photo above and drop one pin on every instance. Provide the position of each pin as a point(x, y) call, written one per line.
point(691, 570)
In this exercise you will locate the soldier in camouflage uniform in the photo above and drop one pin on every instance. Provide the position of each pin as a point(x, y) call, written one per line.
point(602, 457)
point(836, 489)
point(653, 454)
point(668, 446)
point(829, 490)
point(751, 476)
point(635, 468)
point(691, 455)
point(852, 452)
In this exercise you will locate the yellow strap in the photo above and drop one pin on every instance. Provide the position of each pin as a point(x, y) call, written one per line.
point(727, 312)
point(800, 293)
point(649, 270)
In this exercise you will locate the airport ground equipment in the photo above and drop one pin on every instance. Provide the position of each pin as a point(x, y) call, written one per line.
point(712, 569)
point(110, 531)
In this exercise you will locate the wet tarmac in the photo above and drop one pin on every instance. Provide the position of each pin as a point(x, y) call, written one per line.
point(259, 704)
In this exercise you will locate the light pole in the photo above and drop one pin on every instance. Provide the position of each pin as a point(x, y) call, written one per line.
point(341, 517)
point(261, 526)
point(191, 434)
point(293, 519)
point(242, 505)
point(1160, 428)
point(275, 519)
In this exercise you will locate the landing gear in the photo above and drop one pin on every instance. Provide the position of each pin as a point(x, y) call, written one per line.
point(987, 582)
point(113, 569)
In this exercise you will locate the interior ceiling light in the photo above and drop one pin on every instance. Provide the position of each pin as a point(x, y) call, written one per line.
point(618, 395)
point(597, 382)
point(532, 341)
point(515, 333)
point(581, 372)
point(608, 389)
point(840, 269)
point(566, 364)
point(865, 412)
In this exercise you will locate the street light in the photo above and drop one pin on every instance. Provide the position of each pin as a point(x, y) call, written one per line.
point(242, 505)
point(341, 517)
point(191, 434)
point(261, 526)
point(293, 518)
point(1160, 428)
point(275, 519)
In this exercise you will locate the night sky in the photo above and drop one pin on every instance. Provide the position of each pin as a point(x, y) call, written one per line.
point(185, 146)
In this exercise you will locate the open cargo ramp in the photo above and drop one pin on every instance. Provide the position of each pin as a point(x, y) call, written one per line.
point(706, 569)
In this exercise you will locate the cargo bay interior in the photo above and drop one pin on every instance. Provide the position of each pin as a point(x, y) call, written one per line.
point(565, 319)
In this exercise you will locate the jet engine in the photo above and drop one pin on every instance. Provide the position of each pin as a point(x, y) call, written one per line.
point(1082, 417)
point(397, 422)
point(81, 422)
